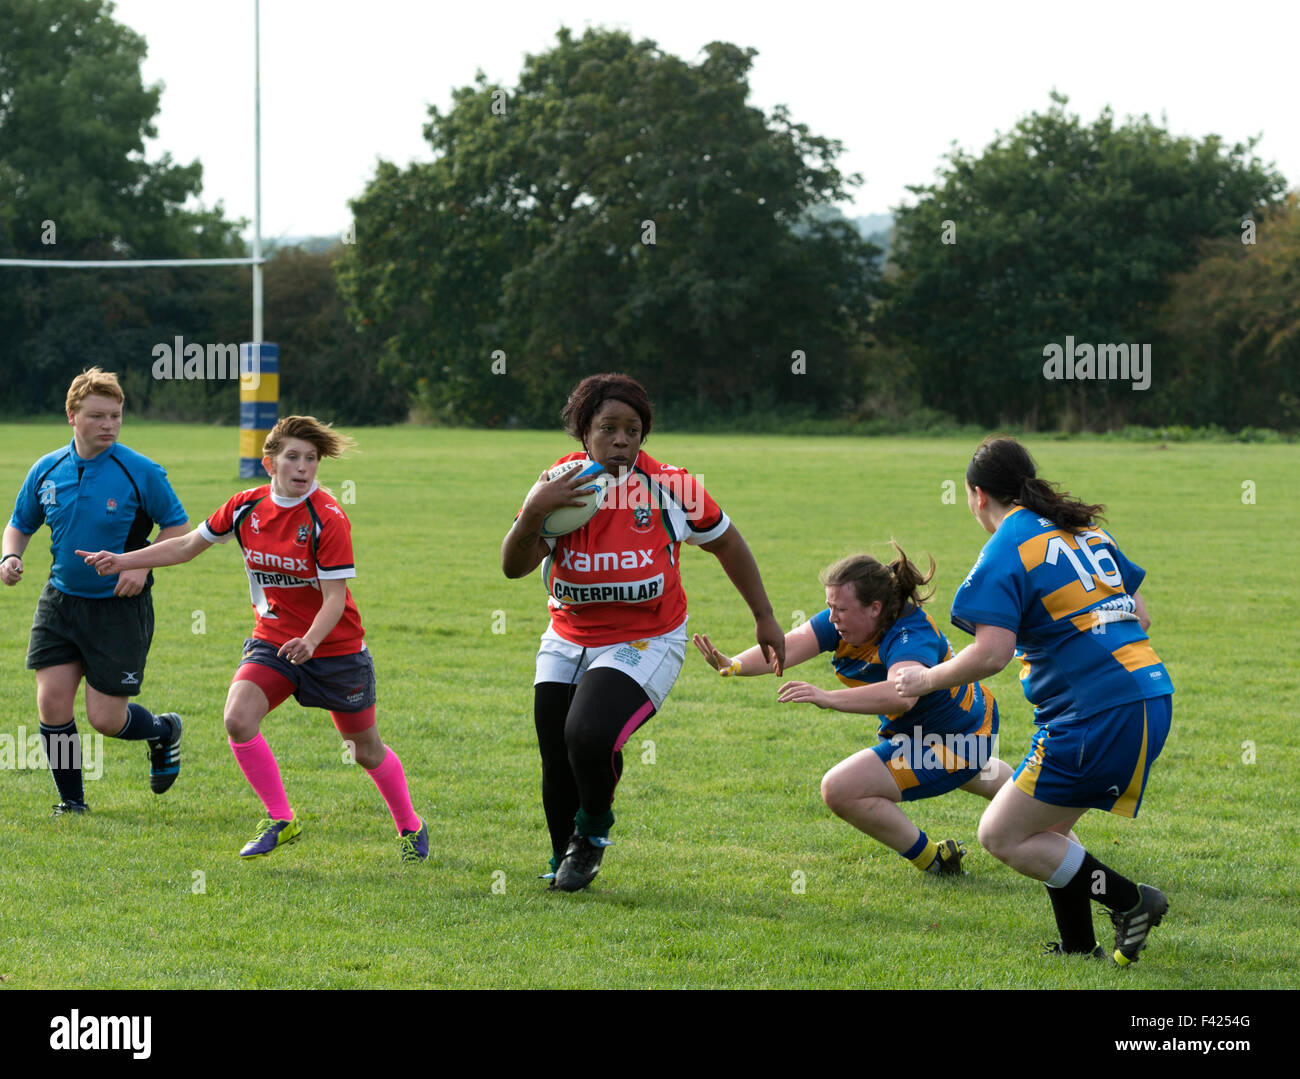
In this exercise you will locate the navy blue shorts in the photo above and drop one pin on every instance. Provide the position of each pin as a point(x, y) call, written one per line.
point(335, 683)
point(933, 764)
point(1099, 762)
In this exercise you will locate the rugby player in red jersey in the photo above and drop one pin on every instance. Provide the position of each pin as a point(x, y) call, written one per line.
point(297, 547)
point(618, 613)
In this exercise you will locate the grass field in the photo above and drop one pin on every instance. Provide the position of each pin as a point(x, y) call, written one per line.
point(727, 870)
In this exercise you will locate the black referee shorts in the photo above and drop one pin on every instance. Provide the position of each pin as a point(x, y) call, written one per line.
point(110, 638)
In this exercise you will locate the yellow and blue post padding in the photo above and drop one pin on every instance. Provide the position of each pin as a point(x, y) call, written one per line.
point(259, 402)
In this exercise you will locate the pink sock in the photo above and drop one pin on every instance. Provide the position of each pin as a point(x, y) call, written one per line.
point(257, 762)
point(391, 781)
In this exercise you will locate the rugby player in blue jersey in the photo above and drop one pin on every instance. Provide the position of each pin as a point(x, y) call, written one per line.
point(94, 493)
point(1053, 588)
point(929, 743)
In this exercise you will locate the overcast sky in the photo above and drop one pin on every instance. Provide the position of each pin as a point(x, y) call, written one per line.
point(345, 82)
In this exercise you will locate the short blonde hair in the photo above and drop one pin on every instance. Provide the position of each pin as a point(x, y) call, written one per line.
point(93, 383)
point(328, 442)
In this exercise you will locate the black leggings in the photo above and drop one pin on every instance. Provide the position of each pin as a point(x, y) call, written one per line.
point(580, 731)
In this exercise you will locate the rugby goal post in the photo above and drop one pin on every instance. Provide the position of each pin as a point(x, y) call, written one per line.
point(259, 361)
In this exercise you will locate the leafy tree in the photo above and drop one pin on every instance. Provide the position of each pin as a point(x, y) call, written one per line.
point(619, 209)
point(74, 116)
point(1060, 228)
point(325, 369)
point(1234, 321)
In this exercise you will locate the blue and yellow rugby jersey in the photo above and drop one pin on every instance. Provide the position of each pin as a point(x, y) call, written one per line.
point(968, 709)
point(1069, 600)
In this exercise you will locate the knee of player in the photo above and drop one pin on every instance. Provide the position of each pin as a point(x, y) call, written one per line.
point(994, 840)
point(105, 722)
point(838, 793)
point(239, 728)
point(588, 739)
point(55, 709)
point(370, 756)
point(830, 792)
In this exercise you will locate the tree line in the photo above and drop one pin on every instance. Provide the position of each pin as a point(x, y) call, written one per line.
point(620, 208)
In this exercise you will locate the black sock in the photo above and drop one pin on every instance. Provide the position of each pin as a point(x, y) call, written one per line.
point(142, 723)
point(1110, 889)
point(1073, 915)
point(63, 752)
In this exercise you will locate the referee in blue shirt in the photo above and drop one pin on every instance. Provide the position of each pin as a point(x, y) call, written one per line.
point(94, 494)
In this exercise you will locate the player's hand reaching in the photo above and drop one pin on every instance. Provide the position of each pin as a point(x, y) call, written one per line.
point(771, 641)
point(130, 582)
point(724, 665)
point(11, 570)
point(105, 563)
point(802, 693)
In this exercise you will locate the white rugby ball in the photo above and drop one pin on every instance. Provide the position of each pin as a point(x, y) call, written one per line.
point(570, 518)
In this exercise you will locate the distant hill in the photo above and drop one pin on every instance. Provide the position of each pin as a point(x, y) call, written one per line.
point(873, 223)
point(874, 228)
point(313, 245)
point(877, 229)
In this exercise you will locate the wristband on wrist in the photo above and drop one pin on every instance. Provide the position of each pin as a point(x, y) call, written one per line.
point(5, 558)
point(727, 672)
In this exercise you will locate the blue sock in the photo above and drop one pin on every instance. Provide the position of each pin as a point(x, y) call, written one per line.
point(916, 848)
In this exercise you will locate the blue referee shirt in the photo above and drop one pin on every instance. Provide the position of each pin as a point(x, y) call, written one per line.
point(107, 503)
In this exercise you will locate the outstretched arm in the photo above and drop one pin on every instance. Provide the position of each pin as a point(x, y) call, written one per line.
point(878, 698)
point(131, 582)
point(738, 561)
point(168, 552)
point(800, 645)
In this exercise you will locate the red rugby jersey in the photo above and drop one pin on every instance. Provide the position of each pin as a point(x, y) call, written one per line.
point(290, 545)
point(617, 578)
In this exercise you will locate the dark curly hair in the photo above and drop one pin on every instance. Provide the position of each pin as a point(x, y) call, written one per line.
point(593, 391)
point(1003, 469)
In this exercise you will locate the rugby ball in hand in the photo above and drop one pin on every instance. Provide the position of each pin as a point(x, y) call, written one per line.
point(570, 518)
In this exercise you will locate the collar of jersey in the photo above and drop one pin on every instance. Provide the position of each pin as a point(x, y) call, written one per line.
point(87, 462)
point(288, 503)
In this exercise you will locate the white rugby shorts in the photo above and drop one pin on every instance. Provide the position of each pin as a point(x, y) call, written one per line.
point(653, 663)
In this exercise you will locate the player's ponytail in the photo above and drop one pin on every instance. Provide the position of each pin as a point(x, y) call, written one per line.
point(896, 585)
point(1003, 469)
point(908, 581)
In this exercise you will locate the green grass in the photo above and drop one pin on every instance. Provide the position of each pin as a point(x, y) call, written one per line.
point(727, 869)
